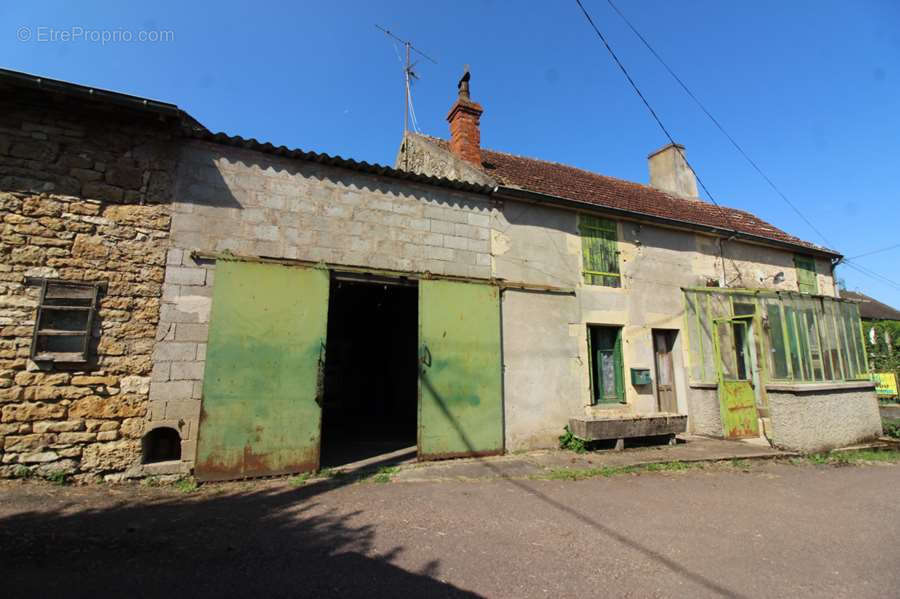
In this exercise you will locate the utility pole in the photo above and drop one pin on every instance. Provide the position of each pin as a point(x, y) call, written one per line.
point(408, 75)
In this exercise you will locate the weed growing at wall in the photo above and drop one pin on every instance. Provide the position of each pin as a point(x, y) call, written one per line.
point(570, 442)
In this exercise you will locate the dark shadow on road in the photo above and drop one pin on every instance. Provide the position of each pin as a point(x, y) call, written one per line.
point(273, 543)
point(600, 527)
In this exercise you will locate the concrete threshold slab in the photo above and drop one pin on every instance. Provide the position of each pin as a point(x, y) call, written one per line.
point(536, 463)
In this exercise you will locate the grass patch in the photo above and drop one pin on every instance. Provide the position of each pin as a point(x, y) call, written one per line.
point(188, 484)
point(300, 479)
point(740, 464)
point(891, 427)
point(607, 471)
point(22, 472)
point(331, 473)
point(856, 456)
point(58, 477)
point(384, 474)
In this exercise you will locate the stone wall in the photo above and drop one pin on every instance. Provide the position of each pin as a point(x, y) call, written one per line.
point(81, 193)
point(826, 418)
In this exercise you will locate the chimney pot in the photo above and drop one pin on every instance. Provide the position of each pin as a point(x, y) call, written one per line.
point(464, 118)
point(669, 171)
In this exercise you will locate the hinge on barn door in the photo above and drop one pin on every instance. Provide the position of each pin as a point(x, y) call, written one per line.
point(320, 374)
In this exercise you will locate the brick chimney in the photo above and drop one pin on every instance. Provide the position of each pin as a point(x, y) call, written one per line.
point(669, 171)
point(465, 136)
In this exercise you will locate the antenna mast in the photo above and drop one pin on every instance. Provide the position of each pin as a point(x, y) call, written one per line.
point(408, 75)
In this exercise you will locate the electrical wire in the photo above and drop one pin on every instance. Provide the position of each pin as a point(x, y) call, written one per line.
point(718, 124)
point(863, 270)
point(652, 112)
point(891, 247)
point(872, 274)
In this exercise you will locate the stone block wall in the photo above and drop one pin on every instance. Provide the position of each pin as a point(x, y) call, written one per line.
point(251, 203)
point(81, 192)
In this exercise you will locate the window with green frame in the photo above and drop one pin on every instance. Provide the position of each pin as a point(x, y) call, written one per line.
point(600, 251)
point(607, 368)
point(803, 339)
point(806, 274)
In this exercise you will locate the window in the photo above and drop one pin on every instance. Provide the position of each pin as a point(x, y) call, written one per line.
point(607, 370)
point(599, 248)
point(62, 329)
point(806, 274)
point(803, 339)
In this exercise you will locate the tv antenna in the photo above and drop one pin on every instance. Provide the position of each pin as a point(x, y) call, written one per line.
point(408, 74)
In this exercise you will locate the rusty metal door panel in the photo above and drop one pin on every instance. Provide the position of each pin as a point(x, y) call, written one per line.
point(261, 413)
point(461, 403)
point(737, 405)
point(735, 365)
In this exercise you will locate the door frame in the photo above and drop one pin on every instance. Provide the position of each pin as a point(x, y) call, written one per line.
point(672, 340)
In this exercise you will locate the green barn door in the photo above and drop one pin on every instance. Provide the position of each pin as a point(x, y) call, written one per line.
point(737, 400)
point(261, 413)
point(461, 404)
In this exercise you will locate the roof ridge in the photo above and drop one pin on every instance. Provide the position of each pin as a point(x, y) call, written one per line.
point(595, 174)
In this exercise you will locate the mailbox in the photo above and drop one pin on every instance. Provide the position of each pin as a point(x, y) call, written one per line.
point(640, 376)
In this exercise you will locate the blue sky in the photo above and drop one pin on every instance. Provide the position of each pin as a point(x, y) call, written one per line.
point(809, 89)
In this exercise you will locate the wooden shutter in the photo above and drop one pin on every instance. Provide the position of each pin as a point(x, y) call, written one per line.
point(806, 274)
point(600, 252)
point(65, 317)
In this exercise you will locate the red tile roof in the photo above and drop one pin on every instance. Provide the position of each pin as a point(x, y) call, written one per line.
point(572, 183)
point(870, 308)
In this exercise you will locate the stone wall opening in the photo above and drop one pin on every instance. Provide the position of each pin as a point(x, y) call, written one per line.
point(161, 445)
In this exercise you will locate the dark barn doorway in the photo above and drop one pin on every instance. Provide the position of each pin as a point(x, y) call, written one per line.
point(370, 406)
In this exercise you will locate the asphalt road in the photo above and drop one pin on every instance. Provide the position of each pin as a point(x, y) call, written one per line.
point(777, 530)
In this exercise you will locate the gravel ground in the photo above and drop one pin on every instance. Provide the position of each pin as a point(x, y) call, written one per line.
point(769, 529)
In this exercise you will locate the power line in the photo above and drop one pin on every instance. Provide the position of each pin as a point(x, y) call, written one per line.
point(659, 122)
point(718, 124)
point(652, 112)
point(891, 247)
point(872, 274)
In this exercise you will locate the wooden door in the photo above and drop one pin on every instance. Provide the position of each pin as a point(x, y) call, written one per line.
point(663, 343)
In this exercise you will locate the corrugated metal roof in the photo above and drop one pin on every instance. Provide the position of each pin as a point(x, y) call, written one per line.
point(338, 161)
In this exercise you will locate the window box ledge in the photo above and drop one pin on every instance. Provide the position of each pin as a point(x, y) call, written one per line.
point(812, 387)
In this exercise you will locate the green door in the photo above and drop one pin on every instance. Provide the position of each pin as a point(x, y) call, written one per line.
point(261, 413)
point(737, 400)
point(461, 403)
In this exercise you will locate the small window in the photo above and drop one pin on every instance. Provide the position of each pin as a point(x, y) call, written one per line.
point(607, 369)
point(62, 329)
point(600, 252)
point(806, 274)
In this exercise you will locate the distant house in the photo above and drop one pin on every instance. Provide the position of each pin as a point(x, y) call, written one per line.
point(881, 329)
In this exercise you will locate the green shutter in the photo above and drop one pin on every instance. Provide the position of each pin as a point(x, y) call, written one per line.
point(806, 274)
point(600, 251)
point(595, 393)
point(620, 367)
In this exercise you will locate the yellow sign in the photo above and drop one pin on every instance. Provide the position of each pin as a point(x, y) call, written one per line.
point(885, 383)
